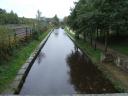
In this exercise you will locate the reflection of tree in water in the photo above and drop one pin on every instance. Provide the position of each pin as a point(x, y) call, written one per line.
point(40, 57)
point(85, 77)
point(56, 32)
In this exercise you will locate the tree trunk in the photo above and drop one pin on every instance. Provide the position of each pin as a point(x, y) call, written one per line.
point(117, 33)
point(77, 35)
point(97, 33)
point(96, 36)
point(91, 36)
point(84, 36)
point(106, 40)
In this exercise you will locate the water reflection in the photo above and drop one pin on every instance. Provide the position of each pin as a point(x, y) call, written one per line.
point(84, 75)
point(40, 56)
point(56, 33)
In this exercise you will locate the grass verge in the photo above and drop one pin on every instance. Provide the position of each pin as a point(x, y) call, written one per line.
point(122, 48)
point(8, 71)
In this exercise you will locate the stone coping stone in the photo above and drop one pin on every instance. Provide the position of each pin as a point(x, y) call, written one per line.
point(15, 84)
point(21, 71)
point(25, 66)
point(114, 94)
point(18, 78)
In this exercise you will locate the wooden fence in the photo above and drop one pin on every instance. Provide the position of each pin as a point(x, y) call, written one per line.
point(19, 36)
point(22, 33)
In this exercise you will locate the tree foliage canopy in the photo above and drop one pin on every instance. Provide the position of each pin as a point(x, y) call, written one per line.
point(101, 14)
point(8, 18)
point(93, 17)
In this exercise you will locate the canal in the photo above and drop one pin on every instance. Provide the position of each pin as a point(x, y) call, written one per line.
point(61, 68)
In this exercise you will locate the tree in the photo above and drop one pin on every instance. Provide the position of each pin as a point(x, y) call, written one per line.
point(38, 17)
point(8, 18)
point(89, 16)
point(55, 21)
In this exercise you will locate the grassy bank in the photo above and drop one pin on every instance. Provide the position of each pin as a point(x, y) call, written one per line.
point(122, 48)
point(118, 77)
point(9, 70)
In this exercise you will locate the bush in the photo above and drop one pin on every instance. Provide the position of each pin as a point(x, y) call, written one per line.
point(5, 42)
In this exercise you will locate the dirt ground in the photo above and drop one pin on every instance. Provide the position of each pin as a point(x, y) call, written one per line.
point(116, 75)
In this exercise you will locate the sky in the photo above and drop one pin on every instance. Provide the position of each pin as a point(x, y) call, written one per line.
point(48, 8)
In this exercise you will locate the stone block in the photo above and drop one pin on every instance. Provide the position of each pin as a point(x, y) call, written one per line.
point(21, 72)
point(19, 77)
point(25, 66)
point(15, 85)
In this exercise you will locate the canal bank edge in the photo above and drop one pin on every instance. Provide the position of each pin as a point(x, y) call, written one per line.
point(103, 70)
point(19, 80)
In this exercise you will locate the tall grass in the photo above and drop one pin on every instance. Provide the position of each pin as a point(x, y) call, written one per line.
point(5, 40)
point(5, 32)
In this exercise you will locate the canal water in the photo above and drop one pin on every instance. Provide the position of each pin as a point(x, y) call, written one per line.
point(61, 68)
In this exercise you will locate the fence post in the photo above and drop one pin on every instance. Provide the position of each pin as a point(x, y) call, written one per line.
point(30, 33)
point(2, 47)
point(0, 51)
point(9, 40)
point(26, 33)
point(15, 39)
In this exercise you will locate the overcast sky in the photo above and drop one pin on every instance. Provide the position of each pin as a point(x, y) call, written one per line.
point(28, 8)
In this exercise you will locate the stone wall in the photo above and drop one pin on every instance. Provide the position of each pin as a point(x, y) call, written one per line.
point(119, 60)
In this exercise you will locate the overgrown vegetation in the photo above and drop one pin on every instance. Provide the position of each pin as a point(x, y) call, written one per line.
point(14, 36)
point(5, 43)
